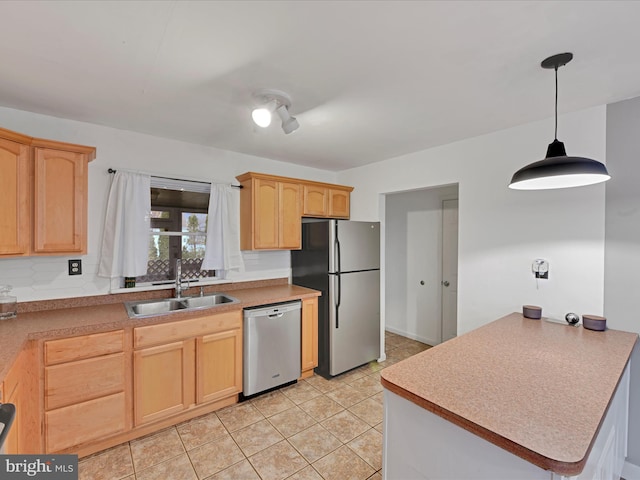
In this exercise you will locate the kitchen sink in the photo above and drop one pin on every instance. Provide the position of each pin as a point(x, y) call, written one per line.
point(149, 308)
point(209, 300)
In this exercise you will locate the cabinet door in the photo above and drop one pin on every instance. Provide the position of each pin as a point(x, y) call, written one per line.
point(60, 202)
point(13, 390)
point(339, 203)
point(219, 365)
point(290, 216)
point(14, 198)
point(265, 220)
point(163, 379)
point(315, 203)
point(12, 443)
point(309, 332)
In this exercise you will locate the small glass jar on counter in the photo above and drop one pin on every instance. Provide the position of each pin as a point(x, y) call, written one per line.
point(8, 303)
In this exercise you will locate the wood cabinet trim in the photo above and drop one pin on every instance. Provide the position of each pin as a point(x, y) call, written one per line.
point(15, 136)
point(277, 178)
point(89, 152)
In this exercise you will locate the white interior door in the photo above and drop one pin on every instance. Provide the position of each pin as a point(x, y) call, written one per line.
point(449, 269)
point(423, 275)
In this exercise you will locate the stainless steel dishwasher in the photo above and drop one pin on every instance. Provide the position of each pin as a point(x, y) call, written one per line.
point(271, 350)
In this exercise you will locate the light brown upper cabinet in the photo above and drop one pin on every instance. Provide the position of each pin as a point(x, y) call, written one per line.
point(330, 202)
point(44, 196)
point(270, 213)
point(339, 202)
point(271, 208)
point(15, 194)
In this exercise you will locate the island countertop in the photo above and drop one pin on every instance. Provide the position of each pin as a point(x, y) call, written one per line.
point(536, 388)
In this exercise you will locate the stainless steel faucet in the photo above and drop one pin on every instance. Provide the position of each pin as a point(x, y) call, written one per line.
point(178, 278)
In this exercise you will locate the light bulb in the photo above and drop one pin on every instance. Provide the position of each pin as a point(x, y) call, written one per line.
point(261, 117)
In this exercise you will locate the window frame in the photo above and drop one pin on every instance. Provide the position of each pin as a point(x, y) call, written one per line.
point(155, 223)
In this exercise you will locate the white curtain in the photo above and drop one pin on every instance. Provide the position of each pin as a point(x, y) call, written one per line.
point(223, 231)
point(125, 241)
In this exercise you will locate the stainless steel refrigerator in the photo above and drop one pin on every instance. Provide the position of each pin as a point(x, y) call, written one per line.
point(342, 259)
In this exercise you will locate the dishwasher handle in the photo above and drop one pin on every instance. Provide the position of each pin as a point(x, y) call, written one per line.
point(276, 315)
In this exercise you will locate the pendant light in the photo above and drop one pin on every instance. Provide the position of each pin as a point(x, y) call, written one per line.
point(558, 170)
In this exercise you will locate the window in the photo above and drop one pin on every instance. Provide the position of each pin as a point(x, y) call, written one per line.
point(178, 230)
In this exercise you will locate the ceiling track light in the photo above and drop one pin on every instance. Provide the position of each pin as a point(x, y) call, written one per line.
point(268, 102)
point(558, 170)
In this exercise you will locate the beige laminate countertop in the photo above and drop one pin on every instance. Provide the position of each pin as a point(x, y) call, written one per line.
point(535, 388)
point(82, 320)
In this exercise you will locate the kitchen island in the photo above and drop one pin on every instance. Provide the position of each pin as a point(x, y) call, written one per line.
point(514, 399)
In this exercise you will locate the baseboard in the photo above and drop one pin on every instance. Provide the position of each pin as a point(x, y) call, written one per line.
point(412, 336)
point(630, 471)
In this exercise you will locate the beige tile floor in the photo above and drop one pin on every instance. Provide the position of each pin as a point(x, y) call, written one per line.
point(315, 429)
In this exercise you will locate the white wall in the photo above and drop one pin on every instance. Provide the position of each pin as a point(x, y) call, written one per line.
point(622, 243)
point(500, 230)
point(40, 278)
point(411, 309)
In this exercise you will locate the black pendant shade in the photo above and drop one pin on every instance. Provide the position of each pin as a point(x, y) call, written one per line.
point(558, 170)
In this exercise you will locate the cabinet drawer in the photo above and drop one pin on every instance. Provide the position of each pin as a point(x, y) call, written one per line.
point(84, 422)
point(87, 346)
point(173, 331)
point(84, 380)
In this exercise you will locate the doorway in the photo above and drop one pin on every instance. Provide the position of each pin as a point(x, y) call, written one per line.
point(420, 251)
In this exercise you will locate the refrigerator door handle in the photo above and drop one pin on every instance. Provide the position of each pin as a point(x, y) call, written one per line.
point(339, 269)
point(338, 294)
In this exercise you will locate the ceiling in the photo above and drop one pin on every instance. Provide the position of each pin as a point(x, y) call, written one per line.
point(369, 80)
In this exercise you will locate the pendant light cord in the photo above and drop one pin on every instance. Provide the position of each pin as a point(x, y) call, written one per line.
point(555, 132)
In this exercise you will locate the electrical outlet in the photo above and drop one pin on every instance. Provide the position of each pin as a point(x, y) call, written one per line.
point(540, 268)
point(75, 267)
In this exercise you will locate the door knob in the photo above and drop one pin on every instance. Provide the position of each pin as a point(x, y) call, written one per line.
point(421, 282)
point(446, 283)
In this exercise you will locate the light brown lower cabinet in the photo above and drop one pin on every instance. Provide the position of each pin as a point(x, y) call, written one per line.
point(219, 365)
point(184, 364)
point(86, 393)
point(309, 340)
point(163, 380)
point(13, 394)
point(85, 389)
